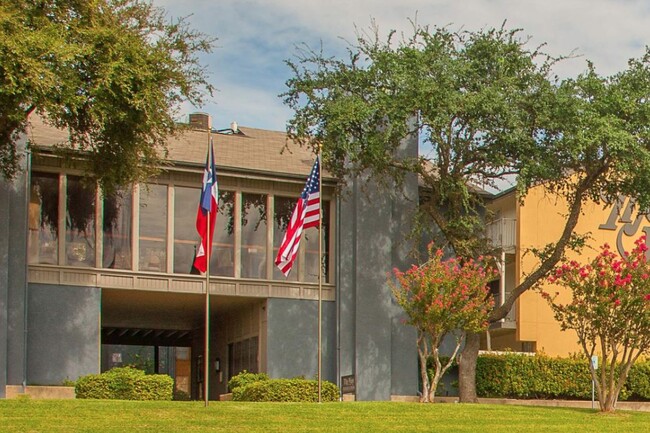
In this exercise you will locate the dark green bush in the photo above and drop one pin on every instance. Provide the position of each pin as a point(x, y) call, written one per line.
point(245, 378)
point(180, 395)
point(543, 377)
point(286, 390)
point(638, 381)
point(125, 384)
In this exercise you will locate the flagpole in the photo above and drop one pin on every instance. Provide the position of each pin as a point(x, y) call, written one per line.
point(320, 273)
point(208, 251)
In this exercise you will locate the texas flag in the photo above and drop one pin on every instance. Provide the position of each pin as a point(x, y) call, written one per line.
point(207, 206)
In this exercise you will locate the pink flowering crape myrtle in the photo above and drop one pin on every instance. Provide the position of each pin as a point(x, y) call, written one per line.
point(610, 312)
point(442, 297)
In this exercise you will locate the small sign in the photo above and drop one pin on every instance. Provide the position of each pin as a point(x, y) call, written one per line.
point(116, 357)
point(594, 362)
point(348, 384)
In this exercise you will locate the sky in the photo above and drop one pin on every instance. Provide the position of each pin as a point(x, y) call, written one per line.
point(255, 37)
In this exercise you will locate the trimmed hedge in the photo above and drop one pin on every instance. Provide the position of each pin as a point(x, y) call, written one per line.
point(288, 390)
point(244, 379)
point(543, 377)
point(125, 384)
point(258, 387)
point(638, 381)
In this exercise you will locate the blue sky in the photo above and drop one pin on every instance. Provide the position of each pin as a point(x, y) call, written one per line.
point(255, 37)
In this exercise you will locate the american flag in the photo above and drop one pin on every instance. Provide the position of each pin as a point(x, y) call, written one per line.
point(306, 214)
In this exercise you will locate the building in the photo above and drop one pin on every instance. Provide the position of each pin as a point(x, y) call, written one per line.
point(537, 221)
point(88, 282)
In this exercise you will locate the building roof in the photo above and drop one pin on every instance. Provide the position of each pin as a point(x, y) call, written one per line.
point(251, 149)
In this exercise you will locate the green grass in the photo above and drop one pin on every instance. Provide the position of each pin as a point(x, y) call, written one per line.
point(51, 416)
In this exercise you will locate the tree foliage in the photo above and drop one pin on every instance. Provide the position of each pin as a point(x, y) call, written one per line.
point(609, 310)
point(442, 297)
point(488, 109)
point(473, 98)
point(111, 72)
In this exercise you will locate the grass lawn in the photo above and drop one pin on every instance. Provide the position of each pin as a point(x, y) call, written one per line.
point(24, 415)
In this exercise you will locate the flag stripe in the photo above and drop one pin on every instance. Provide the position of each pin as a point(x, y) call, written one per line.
point(306, 214)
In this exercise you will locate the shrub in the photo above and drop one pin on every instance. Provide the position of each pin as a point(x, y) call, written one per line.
point(543, 377)
point(245, 378)
point(518, 376)
point(638, 381)
point(180, 395)
point(125, 384)
point(287, 390)
point(68, 382)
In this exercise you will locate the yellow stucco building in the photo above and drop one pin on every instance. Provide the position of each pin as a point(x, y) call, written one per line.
point(533, 223)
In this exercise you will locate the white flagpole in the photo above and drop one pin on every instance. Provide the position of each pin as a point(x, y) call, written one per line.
point(208, 250)
point(320, 273)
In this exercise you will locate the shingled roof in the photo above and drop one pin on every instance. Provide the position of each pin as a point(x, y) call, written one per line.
point(250, 149)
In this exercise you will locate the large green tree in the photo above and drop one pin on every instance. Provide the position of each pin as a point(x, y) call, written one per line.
point(488, 109)
point(111, 72)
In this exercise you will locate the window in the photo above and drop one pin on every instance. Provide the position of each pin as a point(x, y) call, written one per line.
point(153, 228)
point(253, 236)
point(244, 225)
point(44, 219)
point(223, 243)
point(186, 238)
point(284, 207)
point(117, 228)
point(242, 355)
point(80, 223)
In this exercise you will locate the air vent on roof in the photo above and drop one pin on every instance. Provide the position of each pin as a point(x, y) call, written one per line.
point(233, 130)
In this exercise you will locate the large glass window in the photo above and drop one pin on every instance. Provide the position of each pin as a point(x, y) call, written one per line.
point(284, 207)
point(186, 238)
point(242, 355)
point(253, 236)
point(223, 243)
point(79, 219)
point(80, 223)
point(153, 228)
point(117, 228)
point(310, 238)
point(43, 219)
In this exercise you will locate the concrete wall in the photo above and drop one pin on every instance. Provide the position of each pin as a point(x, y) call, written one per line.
point(63, 333)
point(292, 338)
point(374, 344)
point(13, 276)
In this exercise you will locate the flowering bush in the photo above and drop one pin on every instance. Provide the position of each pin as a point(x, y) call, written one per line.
point(610, 312)
point(442, 297)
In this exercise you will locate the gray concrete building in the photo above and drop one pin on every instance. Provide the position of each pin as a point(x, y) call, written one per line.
point(91, 281)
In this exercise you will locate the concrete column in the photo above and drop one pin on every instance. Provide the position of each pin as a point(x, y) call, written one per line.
point(375, 345)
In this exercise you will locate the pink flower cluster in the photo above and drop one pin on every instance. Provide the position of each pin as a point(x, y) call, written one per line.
point(608, 277)
point(449, 293)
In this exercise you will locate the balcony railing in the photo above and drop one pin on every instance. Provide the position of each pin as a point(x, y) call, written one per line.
point(511, 317)
point(502, 233)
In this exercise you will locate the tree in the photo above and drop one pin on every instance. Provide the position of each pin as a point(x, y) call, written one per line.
point(111, 72)
point(489, 109)
point(442, 297)
point(610, 311)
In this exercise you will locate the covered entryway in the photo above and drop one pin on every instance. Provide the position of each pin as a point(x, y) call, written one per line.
point(163, 332)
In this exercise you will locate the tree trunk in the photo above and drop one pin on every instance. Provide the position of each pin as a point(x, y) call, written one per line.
point(423, 355)
point(467, 369)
